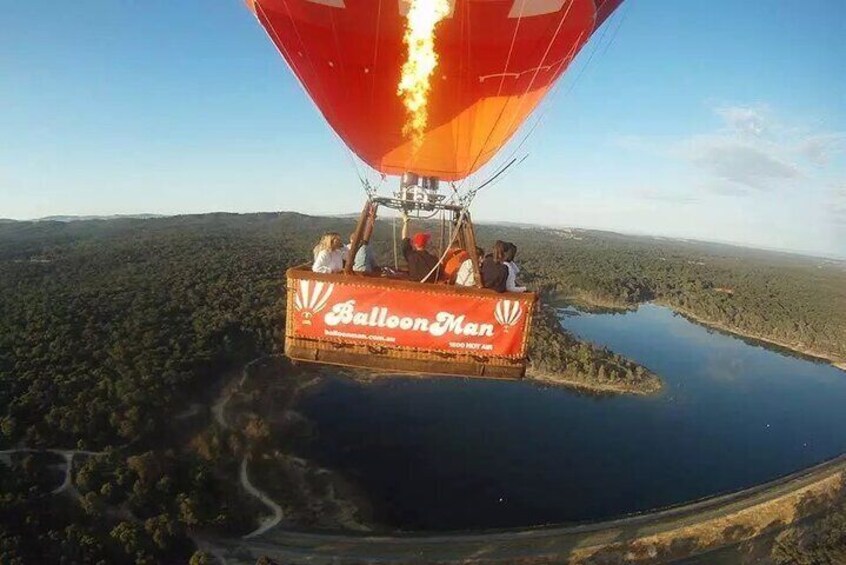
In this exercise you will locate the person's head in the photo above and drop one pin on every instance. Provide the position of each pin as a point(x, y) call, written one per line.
point(329, 241)
point(420, 240)
point(333, 240)
point(499, 251)
point(510, 251)
point(480, 253)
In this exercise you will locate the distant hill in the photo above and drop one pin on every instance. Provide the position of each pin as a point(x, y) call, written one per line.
point(575, 233)
point(86, 218)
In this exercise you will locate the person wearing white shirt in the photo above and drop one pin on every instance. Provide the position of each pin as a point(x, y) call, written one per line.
point(328, 254)
point(466, 275)
point(513, 269)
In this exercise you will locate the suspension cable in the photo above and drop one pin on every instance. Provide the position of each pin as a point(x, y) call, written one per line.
point(277, 42)
point(396, 259)
point(531, 83)
point(553, 96)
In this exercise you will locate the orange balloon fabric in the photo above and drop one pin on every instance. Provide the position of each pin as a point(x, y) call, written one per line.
point(497, 60)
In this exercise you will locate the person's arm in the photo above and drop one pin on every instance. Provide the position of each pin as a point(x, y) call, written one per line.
point(511, 281)
point(368, 229)
point(322, 263)
point(406, 242)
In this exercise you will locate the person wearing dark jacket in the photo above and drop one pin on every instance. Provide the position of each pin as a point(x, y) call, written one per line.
point(494, 270)
point(421, 264)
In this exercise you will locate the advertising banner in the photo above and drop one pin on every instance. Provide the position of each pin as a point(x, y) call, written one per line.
point(399, 317)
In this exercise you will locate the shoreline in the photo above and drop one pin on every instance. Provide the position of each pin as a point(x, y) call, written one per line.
point(319, 491)
point(720, 522)
point(837, 363)
point(550, 366)
point(585, 304)
point(545, 377)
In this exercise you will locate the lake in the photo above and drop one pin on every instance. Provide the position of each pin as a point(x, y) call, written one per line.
point(461, 454)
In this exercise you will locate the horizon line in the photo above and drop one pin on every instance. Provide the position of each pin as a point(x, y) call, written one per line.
point(153, 216)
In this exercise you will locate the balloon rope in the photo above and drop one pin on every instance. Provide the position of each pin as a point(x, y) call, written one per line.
point(531, 83)
point(547, 102)
point(511, 49)
point(546, 106)
point(339, 56)
point(372, 71)
point(444, 254)
point(276, 40)
point(396, 259)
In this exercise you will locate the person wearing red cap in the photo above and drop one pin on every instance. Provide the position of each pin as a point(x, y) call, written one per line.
point(421, 264)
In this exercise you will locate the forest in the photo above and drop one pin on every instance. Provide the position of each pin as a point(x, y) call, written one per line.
point(110, 328)
point(793, 300)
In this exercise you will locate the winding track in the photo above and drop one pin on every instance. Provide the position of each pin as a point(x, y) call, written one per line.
point(67, 454)
point(268, 522)
point(708, 524)
point(219, 411)
point(528, 545)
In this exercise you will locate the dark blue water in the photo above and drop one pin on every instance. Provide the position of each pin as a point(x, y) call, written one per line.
point(442, 454)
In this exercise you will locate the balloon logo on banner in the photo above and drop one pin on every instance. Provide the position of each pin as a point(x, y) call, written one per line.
point(309, 301)
point(507, 312)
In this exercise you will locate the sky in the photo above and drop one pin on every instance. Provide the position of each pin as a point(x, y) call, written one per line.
point(718, 120)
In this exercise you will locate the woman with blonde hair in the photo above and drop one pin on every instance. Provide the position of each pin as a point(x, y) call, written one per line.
point(328, 254)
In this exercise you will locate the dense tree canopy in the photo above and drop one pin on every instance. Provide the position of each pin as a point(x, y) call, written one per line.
point(106, 325)
point(108, 329)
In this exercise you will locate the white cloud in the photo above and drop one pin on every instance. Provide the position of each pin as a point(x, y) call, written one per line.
point(746, 120)
point(753, 176)
point(752, 150)
point(744, 163)
point(821, 147)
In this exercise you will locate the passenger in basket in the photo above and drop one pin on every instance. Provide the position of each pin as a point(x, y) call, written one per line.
point(328, 254)
point(466, 275)
point(513, 269)
point(422, 265)
point(494, 271)
point(453, 260)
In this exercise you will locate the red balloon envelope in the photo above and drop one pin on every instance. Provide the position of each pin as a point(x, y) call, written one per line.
point(497, 60)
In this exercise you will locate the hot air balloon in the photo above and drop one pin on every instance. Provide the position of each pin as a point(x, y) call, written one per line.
point(493, 61)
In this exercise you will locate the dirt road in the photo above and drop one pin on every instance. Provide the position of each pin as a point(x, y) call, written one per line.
point(647, 538)
point(268, 522)
point(67, 454)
